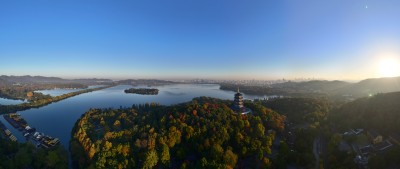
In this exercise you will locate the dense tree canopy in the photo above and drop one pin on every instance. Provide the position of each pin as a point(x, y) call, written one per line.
point(379, 112)
point(203, 133)
point(142, 91)
point(26, 155)
point(301, 110)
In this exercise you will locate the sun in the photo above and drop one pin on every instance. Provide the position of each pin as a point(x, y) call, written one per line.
point(389, 68)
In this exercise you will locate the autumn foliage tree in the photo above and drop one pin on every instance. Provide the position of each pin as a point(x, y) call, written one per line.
point(203, 133)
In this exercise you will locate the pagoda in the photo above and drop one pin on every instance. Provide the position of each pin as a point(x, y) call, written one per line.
point(238, 106)
point(238, 101)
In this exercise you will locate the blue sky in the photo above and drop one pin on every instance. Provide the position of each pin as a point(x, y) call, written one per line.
point(235, 39)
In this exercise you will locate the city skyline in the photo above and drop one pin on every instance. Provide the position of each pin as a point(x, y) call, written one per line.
point(343, 40)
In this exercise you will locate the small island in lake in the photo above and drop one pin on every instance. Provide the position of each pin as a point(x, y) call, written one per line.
point(142, 91)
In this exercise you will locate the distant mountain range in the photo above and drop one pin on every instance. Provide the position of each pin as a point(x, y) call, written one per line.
point(337, 88)
point(9, 80)
point(30, 79)
point(312, 86)
point(145, 82)
point(371, 87)
point(321, 88)
point(361, 89)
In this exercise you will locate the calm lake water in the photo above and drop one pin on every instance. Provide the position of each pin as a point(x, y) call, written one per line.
point(56, 92)
point(59, 92)
point(4, 101)
point(57, 119)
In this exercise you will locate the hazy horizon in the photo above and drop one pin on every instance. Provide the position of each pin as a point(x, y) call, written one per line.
point(330, 40)
point(205, 78)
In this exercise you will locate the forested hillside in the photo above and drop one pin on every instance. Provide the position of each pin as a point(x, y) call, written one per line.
point(336, 90)
point(26, 155)
point(306, 117)
point(371, 86)
point(203, 133)
point(379, 112)
point(301, 110)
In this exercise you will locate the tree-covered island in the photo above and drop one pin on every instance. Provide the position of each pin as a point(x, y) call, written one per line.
point(142, 91)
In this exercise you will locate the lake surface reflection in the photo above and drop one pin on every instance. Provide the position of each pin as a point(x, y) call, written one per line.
point(59, 92)
point(4, 101)
point(56, 92)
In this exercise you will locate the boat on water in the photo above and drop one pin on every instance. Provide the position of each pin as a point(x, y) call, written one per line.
point(6, 133)
point(16, 121)
point(30, 133)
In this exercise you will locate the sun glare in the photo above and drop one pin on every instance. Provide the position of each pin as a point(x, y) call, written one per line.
point(389, 68)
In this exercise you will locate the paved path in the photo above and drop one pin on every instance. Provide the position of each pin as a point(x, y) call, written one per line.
point(315, 151)
point(324, 151)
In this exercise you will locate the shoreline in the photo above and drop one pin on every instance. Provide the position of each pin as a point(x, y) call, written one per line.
point(5, 109)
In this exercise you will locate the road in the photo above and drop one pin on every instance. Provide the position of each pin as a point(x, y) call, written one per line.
point(324, 151)
point(316, 147)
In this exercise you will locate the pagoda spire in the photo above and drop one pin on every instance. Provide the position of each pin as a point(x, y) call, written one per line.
point(238, 90)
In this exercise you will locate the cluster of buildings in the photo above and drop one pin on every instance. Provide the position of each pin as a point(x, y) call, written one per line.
point(6, 133)
point(37, 138)
point(252, 82)
point(268, 98)
point(377, 145)
point(236, 82)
